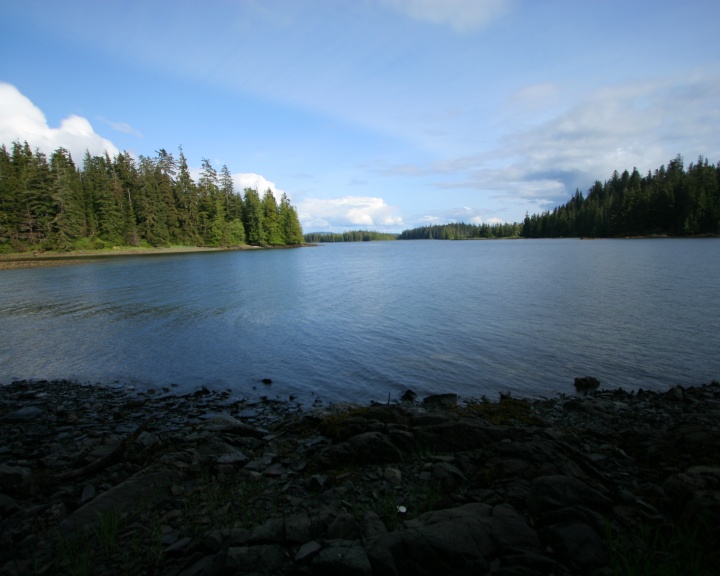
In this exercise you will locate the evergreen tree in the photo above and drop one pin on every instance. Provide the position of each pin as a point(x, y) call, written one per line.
point(290, 227)
point(271, 219)
point(253, 218)
point(187, 201)
point(70, 222)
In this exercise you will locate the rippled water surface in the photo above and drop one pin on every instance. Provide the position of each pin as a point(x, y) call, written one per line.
point(361, 321)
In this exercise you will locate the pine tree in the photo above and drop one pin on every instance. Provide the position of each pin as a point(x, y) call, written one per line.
point(289, 223)
point(70, 222)
point(253, 218)
point(271, 219)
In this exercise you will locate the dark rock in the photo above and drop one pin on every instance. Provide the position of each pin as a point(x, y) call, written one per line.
point(366, 448)
point(307, 551)
point(372, 526)
point(548, 494)
point(441, 401)
point(343, 527)
point(586, 383)
point(261, 559)
point(8, 506)
point(447, 476)
point(512, 533)
point(454, 541)
point(272, 531)
point(13, 477)
point(22, 414)
point(344, 557)
point(578, 545)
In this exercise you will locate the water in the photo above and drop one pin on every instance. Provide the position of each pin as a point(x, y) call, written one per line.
point(356, 322)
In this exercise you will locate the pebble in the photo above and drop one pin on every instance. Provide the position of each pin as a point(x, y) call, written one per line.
point(280, 486)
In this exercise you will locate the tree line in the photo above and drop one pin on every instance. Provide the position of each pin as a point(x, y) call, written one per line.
point(462, 231)
point(671, 200)
point(349, 236)
point(52, 204)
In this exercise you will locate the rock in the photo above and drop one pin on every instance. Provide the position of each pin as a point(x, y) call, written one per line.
point(260, 559)
point(577, 544)
point(272, 531)
point(448, 476)
point(8, 506)
point(586, 383)
point(441, 401)
point(344, 557)
point(343, 527)
point(307, 552)
point(88, 493)
point(372, 526)
point(548, 494)
point(23, 414)
point(366, 448)
point(530, 496)
point(13, 477)
point(393, 476)
point(453, 541)
point(151, 484)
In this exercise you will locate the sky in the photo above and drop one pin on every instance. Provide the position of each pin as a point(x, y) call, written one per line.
point(373, 114)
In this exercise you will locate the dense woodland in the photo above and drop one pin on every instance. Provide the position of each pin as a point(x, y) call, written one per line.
point(462, 231)
point(349, 236)
point(52, 204)
point(670, 201)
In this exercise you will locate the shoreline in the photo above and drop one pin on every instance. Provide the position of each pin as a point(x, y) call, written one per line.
point(150, 482)
point(18, 260)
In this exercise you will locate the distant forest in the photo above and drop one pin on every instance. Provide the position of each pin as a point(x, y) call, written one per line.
point(350, 236)
point(670, 201)
point(462, 231)
point(51, 204)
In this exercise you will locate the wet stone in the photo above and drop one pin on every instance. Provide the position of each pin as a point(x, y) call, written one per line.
point(353, 489)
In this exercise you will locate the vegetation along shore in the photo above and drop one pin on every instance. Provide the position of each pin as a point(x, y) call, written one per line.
point(95, 480)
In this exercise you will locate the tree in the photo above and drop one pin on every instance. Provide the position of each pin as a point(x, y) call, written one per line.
point(187, 201)
point(70, 223)
point(271, 219)
point(253, 218)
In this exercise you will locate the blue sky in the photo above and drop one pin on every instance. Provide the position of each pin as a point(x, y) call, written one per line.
point(380, 114)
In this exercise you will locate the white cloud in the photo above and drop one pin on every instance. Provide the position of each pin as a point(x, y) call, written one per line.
point(123, 127)
point(258, 182)
point(318, 214)
point(21, 120)
point(462, 15)
point(639, 124)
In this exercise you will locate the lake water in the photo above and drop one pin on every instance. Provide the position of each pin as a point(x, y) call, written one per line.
point(361, 321)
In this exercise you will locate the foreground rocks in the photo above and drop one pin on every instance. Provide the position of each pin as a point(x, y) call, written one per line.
point(101, 481)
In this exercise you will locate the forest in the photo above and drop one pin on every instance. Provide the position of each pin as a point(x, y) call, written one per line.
point(462, 231)
point(671, 201)
point(52, 204)
point(349, 236)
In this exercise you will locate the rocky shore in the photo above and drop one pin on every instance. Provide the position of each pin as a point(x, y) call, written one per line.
point(101, 481)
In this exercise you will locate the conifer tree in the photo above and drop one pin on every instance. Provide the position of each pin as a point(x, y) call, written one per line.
point(253, 218)
point(289, 223)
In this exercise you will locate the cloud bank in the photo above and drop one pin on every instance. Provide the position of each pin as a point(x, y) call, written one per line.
point(21, 120)
point(348, 212)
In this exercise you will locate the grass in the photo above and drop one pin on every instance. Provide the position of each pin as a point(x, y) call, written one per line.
point(665, 550)
point(508, 411)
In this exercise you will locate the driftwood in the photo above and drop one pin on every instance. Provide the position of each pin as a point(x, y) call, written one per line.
point(107, 460)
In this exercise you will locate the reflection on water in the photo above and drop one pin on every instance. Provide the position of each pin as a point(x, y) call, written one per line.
point(361, 321)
